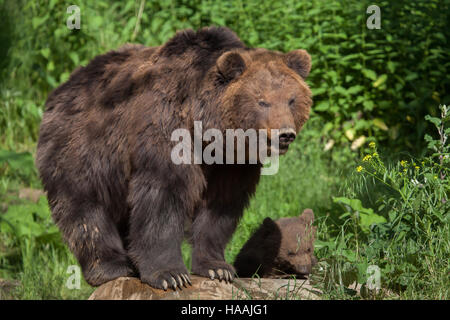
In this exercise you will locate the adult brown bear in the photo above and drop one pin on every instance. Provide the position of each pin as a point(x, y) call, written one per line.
point(104, 151)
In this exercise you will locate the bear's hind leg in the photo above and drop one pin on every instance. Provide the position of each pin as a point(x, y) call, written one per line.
point(95, 242)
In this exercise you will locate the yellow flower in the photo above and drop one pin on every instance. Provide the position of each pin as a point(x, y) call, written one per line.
point(435, 177)
point(405, 170)
point(359, 168)
point(403, 163)
point(367, 158)
point(375, 154)
point(372, 144)
point(417, 167)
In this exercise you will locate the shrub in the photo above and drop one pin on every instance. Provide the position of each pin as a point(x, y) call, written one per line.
point(408, 235)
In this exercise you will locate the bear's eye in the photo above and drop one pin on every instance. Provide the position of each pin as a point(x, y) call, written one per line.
point(291, 102)
point(264, 104)
point(291, 253)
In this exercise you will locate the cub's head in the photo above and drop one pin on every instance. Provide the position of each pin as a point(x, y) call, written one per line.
point(296, 251)
point(266, 90)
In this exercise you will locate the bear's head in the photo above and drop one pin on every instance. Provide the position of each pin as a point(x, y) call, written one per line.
point(266, 90)
point(296, 250)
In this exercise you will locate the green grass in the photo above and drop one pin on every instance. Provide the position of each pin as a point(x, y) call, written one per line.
point(42, 273)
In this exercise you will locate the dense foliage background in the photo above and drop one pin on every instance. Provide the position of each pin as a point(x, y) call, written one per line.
point(369, 86)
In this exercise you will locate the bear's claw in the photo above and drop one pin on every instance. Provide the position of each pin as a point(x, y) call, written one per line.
point(174, 283)
point(166, 279)
point(222, 274)
point(186, 279)
point(164, 285)
point(178, 281)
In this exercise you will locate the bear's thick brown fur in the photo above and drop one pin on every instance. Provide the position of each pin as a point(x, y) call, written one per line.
point(104, 151)
point(279, 248)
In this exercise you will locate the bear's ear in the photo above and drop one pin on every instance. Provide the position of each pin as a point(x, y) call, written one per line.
point(230, 65)
point(299, 61)
point(307, 216)
point(268, 227)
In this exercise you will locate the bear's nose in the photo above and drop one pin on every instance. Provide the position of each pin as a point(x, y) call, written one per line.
point(303, 269)
point(286, 136)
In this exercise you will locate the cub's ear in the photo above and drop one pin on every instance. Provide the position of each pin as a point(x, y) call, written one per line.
point(230, 65)
point(268, 222)
point(269, 227)
point(299, 61)
point(307, 216)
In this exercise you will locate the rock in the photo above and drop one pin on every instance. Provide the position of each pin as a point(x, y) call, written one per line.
point(127, 288)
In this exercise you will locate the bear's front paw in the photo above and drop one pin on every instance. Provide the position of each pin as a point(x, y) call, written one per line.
point(215, 270)
point(167, 278)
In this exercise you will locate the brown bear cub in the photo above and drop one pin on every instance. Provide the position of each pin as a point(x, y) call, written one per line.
point(279, 248)
point(105, 145)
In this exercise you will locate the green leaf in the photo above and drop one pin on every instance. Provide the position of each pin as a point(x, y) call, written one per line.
point(369, 219)
point(368, 105)
point(20, 162)
point(391, 66)
point(382, 79)
point(434, 120)
point(369, 74)
point(355, 204)
point(355, 89)
point(50, 66)
point(340, 90)
point(52, 3)
point(350, 134)
point(74, 57)
point(349, 254)
point(38, 21)
point(318, 244)
point(45, 52)
point(28, 220)
point(380, 124)
point(318, 91)
point(366, 215)
point(411, 76)
point(428, 138)
point(322, 106)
